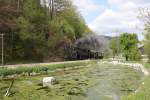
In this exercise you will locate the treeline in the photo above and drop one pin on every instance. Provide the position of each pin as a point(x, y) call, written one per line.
point(126, 45)
point(39, 30)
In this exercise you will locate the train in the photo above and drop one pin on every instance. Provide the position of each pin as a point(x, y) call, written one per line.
point(77, 53)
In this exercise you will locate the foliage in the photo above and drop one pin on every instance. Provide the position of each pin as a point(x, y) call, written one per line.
point(129, 45)
point(38, 69)
point(144, 16)
point(114, 46)
point(147, 41)
point(76, 21)
point(37, 29)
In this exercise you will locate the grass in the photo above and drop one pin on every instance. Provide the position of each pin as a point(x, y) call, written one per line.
point(30, 88)
point(4, 72)
point(147, 65)
point(143, 92)
point(77, 83)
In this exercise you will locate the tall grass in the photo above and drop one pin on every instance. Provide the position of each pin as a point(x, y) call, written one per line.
point(38, 69)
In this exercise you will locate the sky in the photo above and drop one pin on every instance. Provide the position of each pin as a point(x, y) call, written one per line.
point(113, 17)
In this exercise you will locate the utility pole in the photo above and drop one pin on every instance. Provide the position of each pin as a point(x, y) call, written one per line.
point(2, 39)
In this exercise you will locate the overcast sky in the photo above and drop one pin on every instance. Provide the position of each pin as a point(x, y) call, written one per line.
point(110, 17)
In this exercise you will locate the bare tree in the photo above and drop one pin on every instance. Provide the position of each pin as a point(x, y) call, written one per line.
point(54, 7)
point(144, 15)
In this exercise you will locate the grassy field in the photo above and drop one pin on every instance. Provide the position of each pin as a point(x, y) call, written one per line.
point(143, 93)
point(90, 81)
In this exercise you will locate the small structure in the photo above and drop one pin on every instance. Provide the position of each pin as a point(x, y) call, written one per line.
point(141, 48)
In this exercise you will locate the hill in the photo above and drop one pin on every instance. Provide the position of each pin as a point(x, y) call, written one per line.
point(38, 31)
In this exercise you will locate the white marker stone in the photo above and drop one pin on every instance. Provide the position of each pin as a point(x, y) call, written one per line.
point(48, 81)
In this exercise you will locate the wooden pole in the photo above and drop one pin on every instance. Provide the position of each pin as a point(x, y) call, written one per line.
point(2, 39)
point(2, 49)
point(9, 89)
point(52, 11)
point(18, 4)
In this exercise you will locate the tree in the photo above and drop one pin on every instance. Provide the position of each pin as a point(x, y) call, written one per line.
point(129, 45)
point(35, 28)
point(147, 41)
point(8, 25)
point(76, 21)
point(114, 46)
point(145, 16)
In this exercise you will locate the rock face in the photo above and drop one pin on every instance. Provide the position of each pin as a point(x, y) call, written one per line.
point(48, 81)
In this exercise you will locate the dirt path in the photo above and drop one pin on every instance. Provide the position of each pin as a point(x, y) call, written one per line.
point(38, 64)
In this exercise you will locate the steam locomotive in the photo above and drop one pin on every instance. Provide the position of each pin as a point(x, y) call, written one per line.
point(76, 53)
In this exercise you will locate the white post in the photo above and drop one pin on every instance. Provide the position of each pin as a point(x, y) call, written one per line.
point(2, 37)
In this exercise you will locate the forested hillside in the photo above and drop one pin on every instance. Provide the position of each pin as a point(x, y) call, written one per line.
point(39, 30)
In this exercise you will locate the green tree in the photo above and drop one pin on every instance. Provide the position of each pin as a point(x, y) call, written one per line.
point(129, 45)
point(114, 45)
point(74, 18)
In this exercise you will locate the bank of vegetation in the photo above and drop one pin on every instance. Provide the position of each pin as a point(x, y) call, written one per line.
point(33, 70)
point(126, 45)
point(39, 30)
